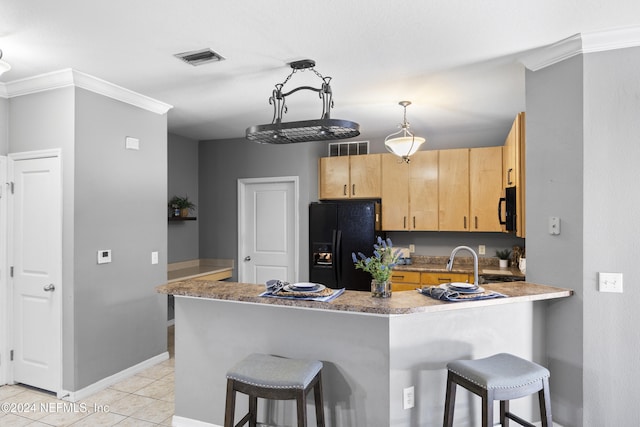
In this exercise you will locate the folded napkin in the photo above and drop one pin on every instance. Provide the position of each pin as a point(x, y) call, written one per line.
point(276, 289)
point(448, 295)
point(274, 286)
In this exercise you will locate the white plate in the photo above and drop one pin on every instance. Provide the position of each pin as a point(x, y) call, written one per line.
point(295, 288)
point(304, 285)
point(473, 290)
point(461, 285)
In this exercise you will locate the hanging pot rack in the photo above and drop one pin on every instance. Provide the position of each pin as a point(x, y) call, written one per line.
point(325, 128)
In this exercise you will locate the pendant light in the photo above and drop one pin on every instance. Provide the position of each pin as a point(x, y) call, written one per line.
point(4, 66)
point(403, 143)
point(321, 129)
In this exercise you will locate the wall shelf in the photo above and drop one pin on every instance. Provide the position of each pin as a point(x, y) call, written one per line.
point(182, 218)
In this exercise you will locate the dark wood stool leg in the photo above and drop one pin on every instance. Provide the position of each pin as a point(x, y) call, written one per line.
point(487, 408)
point(253, 411)
point(230, 405)
point(449, 402)
point(544, 397)
point(317, 394)
point(301, 403)
point(504, 408)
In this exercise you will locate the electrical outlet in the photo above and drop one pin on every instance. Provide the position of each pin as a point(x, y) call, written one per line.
point(154, 257)
point(610, 282)
point(412, 248)
point(408, 398)
point(482, 250)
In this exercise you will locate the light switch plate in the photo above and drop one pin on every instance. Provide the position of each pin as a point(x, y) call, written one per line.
point(154, 257)
point(131, 143)
point(610, 282)
point(104, 256)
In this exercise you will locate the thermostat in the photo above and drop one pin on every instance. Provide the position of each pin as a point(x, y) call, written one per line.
point(104, 256)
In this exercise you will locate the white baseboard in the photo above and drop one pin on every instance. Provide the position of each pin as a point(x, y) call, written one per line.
point(189, 422)
point(74, 396)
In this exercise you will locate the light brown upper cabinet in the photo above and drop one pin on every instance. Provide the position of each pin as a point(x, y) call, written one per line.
point(453, 190)
point(514, 168)
point(470, 187)
point(485, 185)
point(350, 177)
point(410, 192)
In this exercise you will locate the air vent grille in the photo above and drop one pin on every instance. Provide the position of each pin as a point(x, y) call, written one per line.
point(199, 57)
point(353, 148)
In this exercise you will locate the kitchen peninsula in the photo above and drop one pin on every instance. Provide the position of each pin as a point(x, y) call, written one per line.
point(372, 349)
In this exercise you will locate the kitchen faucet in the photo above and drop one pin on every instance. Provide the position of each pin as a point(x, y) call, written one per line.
point(475, 261)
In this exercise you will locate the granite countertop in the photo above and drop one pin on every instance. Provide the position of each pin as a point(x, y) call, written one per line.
point(406, 302)
point(436, 264)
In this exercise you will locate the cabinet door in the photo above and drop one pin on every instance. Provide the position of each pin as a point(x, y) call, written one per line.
point(423, 191)
point(395, 193)
point(485, 184)
point(453, 190)
point(365, 176)
point(405, 280)
point(514, 168)
point(509, 157)
point(434, 279)
point(334, 177)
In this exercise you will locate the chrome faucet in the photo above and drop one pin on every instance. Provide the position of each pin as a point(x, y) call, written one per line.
point(475, 261)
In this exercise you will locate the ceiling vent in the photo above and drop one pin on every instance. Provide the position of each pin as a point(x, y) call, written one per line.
point(199, 57)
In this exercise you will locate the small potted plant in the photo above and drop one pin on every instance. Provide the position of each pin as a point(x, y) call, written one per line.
point(504, 255)
point(181, 206)
point(379, 265)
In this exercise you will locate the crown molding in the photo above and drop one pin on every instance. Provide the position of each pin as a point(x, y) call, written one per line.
point(69, 77)
point(578, 44)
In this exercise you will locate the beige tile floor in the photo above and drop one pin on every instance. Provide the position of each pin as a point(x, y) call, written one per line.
point(145, 399)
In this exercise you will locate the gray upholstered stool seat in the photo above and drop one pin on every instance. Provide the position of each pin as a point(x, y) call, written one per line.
point(271, 377)
point(499, 377)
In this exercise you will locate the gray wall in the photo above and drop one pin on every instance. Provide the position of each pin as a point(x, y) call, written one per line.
point(4, 126)
point(222, 163)
point(112, 199)
point(555, 188)
point(583, 134)
point(611, 204)
point(183, 242)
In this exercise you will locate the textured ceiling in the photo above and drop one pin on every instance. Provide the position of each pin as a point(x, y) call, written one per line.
point(457, 61)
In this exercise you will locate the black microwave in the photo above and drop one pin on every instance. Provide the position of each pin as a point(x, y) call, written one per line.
point(510, 214)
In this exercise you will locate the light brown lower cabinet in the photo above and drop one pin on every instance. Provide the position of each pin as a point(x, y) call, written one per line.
point(411, 280)
point(405, 280)
point(434, 279)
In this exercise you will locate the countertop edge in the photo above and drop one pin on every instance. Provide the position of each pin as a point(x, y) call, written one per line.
point(400, 303)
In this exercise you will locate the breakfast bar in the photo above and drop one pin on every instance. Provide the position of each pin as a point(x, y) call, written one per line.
point(373, 350)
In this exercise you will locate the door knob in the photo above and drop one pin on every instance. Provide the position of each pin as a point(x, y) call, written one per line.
point(247, 258)
point(49, 288)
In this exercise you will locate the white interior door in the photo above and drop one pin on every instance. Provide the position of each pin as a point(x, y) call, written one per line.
point(4, 307)
point(35, 254)
point(268, 229)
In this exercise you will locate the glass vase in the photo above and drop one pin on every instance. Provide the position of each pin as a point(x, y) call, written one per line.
point(381, 289)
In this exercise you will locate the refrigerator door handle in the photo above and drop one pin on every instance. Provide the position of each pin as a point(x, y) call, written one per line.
point(337, 245)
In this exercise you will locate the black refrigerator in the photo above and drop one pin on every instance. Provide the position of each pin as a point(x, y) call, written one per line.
point(336, 229)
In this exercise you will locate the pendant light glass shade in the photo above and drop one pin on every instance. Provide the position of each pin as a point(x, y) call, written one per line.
point(403, 143)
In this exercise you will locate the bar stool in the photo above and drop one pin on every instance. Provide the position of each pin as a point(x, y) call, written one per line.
point(499, 377)
point(270, 377)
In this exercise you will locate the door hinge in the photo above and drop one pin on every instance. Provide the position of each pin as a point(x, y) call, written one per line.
point(11, 271)
point(12, 184)
point(11, 355)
